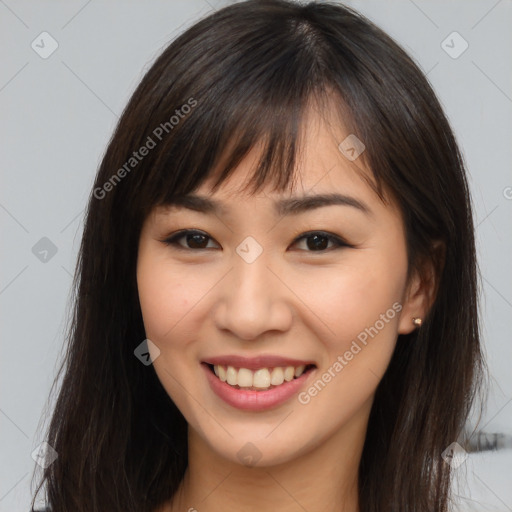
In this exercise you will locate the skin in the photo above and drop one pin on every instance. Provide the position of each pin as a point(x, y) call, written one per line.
point(293, 301)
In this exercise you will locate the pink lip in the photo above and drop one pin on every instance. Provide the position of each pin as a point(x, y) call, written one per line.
point(255, 363)
point(255, 400)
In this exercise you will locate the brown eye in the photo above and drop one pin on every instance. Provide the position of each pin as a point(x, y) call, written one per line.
point(318, 241)
point(193, 240)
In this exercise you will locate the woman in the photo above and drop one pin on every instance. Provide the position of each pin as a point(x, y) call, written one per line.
point(220, 356)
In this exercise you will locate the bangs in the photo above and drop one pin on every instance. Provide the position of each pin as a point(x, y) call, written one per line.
point(254, 89)
point(275, 130)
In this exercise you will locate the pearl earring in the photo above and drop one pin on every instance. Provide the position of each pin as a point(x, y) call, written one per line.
point(417, 321)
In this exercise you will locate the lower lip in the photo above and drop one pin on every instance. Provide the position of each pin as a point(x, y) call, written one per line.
point(255, 400)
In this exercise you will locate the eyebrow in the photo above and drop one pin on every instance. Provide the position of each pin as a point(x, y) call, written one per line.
point(282, 207)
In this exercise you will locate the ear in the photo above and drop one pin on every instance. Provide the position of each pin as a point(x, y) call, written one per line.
point(422, 289)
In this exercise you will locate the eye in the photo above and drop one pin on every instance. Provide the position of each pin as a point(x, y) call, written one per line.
point(319, 241)
point(196, 239)
point(316, 241)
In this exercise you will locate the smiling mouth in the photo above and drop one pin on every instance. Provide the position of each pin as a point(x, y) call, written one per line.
point(261, 379)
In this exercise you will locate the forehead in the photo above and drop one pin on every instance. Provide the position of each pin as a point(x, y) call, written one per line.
point(320, 186)
point(329, 161)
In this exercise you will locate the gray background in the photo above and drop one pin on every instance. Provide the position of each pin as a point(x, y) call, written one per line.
point(58, 114)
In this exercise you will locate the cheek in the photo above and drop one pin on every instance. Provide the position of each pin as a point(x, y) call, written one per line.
point(165, 297)
point(353, 296)
point(172, 298)
point(361, 305)
point(357, 307)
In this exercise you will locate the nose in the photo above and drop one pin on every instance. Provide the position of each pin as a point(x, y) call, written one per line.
point(253, 300)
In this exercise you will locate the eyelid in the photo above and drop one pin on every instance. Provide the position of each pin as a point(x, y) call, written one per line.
point(172, 239)
point(336, 239)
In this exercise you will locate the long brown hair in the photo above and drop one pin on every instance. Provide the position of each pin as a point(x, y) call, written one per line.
point(239, 77)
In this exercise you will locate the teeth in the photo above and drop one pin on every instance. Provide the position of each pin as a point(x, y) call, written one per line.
point(244, 378)
point(262, 378)
point(277, 376)
point(299, 370)
point(232, 376)
point(222, 372)
point(289, 373)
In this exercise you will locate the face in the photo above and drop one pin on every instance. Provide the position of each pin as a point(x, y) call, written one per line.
point(258, 295)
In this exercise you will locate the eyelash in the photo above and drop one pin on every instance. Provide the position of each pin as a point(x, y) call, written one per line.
point(174, 239)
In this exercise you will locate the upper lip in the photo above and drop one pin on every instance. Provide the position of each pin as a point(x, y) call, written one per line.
point(254, 363)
